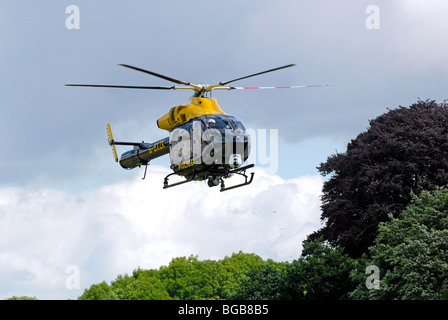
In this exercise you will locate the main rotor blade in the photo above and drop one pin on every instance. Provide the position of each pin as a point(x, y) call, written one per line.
point(256, 74)
point(281, 87)
point(156, 75)
point(278, 87)
point(118, 86)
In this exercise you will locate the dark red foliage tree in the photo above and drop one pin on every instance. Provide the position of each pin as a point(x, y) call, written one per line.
point(403, 151)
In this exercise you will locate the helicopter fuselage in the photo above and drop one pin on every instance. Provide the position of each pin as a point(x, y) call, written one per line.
point(205, 147)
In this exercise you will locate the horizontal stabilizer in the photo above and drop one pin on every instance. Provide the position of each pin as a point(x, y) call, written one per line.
point(120, 143)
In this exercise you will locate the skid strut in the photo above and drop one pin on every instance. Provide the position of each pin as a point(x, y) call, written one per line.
point(221, 174)
point(242, 172)
point(166, 185)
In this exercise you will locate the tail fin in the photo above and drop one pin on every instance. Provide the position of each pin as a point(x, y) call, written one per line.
point(110, 138)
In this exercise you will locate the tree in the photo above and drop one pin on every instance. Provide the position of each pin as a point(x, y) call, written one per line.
point(100, 291)
point(142, 285)
point(412, 251)
point(323, 272)
point(236, 267)
point(184, 278)
point(404, 151)
point(261, 283)
point(21, 298)
point(191, 279)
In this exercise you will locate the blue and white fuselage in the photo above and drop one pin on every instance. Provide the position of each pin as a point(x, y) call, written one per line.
point(143, 153)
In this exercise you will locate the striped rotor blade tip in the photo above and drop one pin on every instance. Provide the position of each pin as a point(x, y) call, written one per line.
point(282, 87)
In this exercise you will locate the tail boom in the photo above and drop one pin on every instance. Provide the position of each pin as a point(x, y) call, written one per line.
point(143, 153)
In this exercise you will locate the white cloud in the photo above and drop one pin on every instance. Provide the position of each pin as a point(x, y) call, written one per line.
point(116, 228)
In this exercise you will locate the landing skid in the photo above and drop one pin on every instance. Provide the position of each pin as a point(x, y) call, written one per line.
point(243, 173)
point(219, 173)
point(166, 185)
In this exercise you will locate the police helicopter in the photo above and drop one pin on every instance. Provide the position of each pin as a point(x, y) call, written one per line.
point(204, 142)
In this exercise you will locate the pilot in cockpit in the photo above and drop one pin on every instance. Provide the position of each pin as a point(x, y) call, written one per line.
point(211, 123)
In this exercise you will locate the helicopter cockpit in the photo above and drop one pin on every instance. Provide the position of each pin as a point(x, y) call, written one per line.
point(228, 135)
point(215, 139)
point(225, 128)
point(223, 122)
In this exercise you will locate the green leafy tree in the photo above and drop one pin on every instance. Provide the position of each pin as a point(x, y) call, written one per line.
point(21, 298)
point(323, 272)
point(411, 252)
point(142, 285)
point(262, 283)
point(184, 278)
point(189, 279)
point(235, 269)
point(100, 291)
point(404, 150)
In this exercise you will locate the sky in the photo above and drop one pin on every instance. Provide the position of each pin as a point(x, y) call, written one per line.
point(71, 217)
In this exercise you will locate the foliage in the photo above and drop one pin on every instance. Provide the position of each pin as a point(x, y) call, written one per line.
point(184, 278)
point(100, 291)
point(323, 272)
point(21, 298)
point(141, 286)
point(404, 151)
point(236, 267)
point(412, 251)
point(189, 278)
point(262, 283)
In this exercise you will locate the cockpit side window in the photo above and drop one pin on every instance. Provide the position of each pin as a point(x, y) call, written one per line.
point(236, 123)
point(216, 123)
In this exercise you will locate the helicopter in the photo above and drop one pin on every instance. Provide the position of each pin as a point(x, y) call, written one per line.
point(204, 142)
